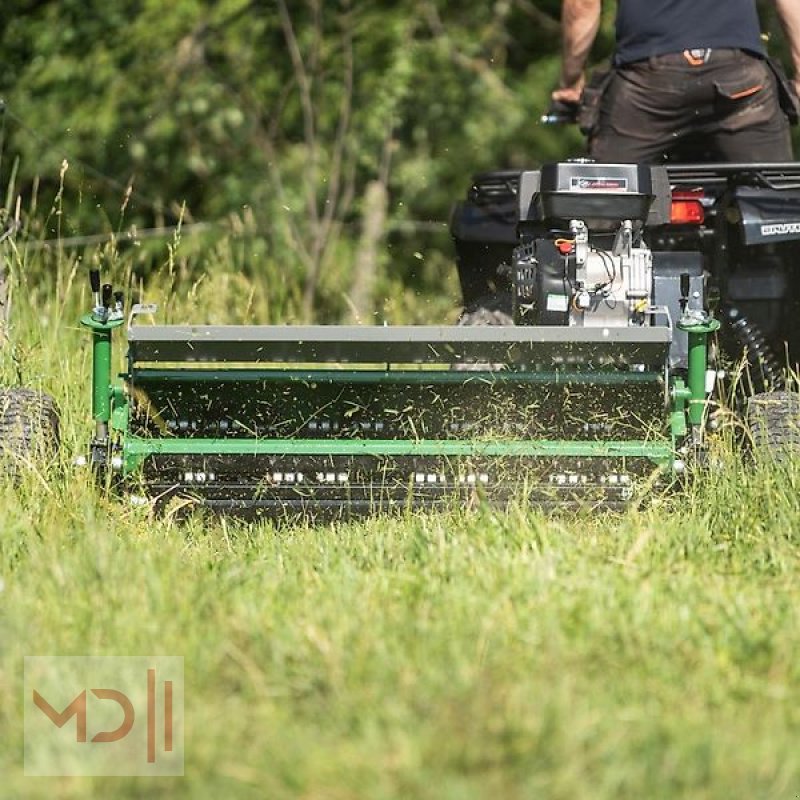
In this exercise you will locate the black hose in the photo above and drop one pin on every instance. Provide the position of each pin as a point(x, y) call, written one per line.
point(759, 353)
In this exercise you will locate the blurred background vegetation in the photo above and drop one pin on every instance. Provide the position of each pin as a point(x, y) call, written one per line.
point(312, 148)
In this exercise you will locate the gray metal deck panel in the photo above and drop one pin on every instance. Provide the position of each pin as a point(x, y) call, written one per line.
point(400, 344)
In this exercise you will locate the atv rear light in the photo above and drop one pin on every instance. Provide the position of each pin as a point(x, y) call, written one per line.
point(687, 208)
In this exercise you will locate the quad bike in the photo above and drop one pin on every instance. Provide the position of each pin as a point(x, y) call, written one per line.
point(729, 232)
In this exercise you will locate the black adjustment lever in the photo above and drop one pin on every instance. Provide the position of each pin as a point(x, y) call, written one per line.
point(94, 283)
point(686, 286)
point(107, 294)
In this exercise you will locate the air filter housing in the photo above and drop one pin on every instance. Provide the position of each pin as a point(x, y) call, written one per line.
point(599, 194)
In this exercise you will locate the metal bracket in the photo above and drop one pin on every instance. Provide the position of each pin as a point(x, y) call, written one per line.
point(139, 309)
point(623, 241)
point(581, 234)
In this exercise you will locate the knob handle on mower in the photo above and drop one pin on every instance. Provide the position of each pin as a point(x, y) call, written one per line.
point(94, 280)
point(107, 294)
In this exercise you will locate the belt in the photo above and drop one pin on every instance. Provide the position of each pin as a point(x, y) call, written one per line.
point(700, 56)
point(696, 57)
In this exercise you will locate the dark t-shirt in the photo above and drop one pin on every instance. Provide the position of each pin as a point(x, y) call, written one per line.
point(654, 27)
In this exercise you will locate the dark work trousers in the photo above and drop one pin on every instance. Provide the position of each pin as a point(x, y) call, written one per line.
point(719, 106)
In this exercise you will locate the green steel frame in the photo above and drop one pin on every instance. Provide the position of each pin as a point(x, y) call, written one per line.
point(698, 333)
point(136, 449)
point(102, 386)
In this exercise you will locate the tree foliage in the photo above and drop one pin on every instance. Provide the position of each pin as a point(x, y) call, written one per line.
point(196, 99)
point(283, 112)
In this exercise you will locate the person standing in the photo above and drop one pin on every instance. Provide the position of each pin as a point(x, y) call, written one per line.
point(685, 72)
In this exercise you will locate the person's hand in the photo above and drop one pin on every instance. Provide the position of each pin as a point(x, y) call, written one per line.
point(569, 93)
point(568, 96)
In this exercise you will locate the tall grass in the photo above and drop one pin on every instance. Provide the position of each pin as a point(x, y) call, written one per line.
point(470, 654)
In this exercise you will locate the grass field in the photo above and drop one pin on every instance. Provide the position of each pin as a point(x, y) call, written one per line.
point(652, 654)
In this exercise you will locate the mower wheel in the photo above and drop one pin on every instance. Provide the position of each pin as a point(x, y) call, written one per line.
point(491, 309)
point(773, 419)
point(29, 425)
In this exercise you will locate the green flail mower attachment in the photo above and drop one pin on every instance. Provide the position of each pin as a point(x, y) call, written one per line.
point(342, 420)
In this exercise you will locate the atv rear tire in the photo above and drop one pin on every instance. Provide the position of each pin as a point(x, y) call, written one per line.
point(29, 426)
point(492, 309)
point(773, 419)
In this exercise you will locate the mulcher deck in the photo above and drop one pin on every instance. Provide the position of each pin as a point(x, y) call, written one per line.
point(358, 419)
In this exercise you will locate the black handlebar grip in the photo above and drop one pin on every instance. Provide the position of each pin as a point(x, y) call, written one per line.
point(561, 113)
point(685, 284)
point(107, 291)
point(94, 280)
